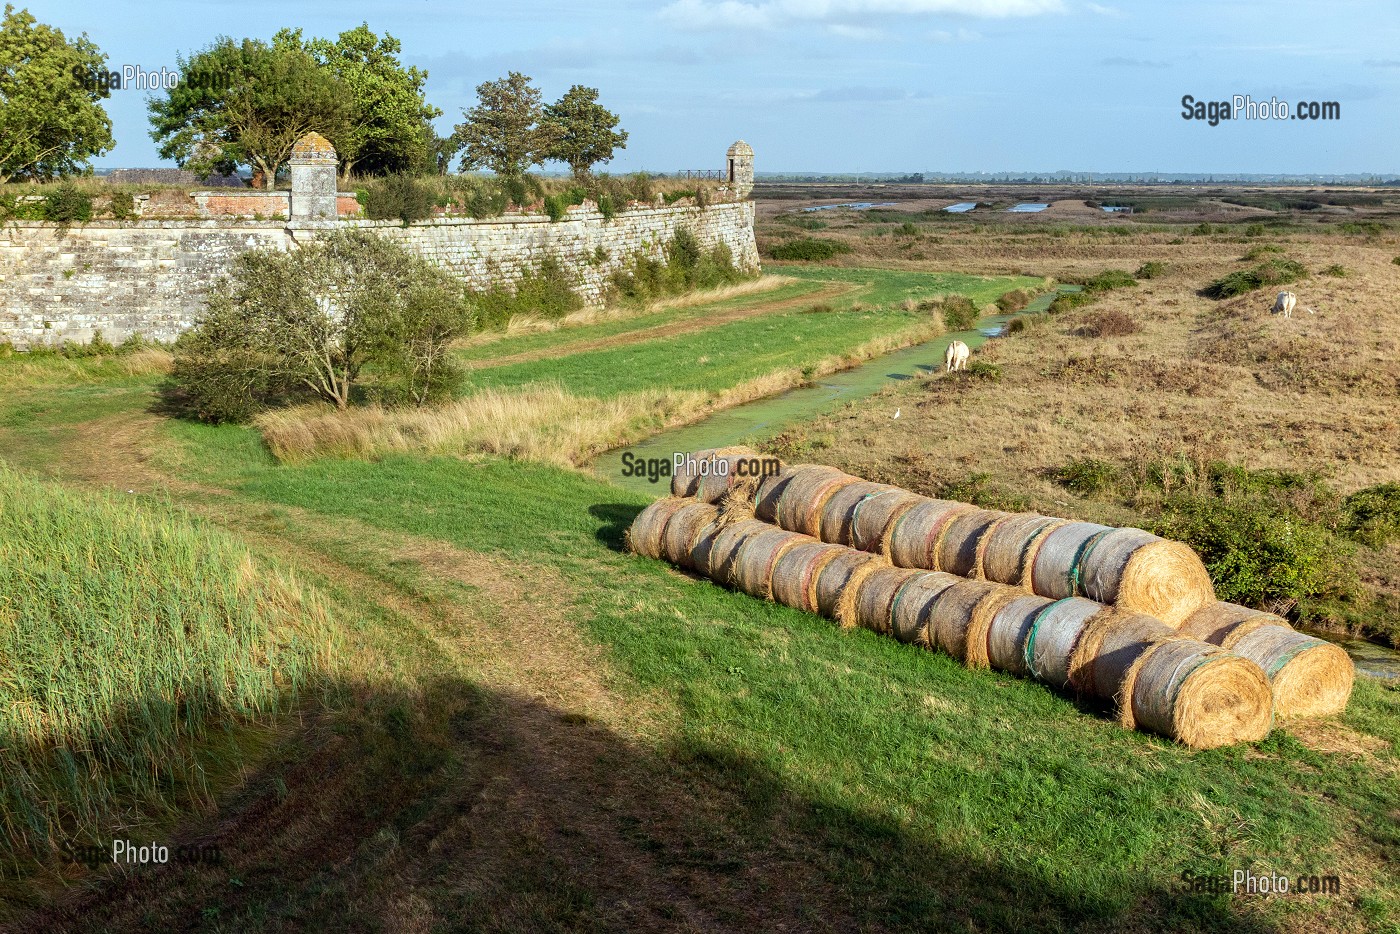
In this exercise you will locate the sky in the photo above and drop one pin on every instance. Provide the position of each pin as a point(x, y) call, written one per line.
point(860, 85)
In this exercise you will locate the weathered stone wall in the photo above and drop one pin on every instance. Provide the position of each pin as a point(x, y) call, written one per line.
point(150, 277)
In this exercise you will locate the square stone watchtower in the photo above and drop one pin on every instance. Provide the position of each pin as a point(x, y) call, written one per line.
point(313, 165)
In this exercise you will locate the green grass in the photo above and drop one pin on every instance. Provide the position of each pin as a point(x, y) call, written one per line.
point(711, 360)
point(125, 632)
point(888, 287)
point(546, 340)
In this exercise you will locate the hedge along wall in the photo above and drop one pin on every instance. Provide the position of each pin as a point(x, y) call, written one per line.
point(150, 277)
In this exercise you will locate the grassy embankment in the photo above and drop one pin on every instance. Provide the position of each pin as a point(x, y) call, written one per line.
point(610, 744)
point(568, 394)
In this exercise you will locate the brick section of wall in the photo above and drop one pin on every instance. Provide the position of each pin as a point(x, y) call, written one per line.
point(150, 277)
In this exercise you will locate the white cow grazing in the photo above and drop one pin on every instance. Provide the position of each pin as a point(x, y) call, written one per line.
point(1284, 304)
point(956, 357)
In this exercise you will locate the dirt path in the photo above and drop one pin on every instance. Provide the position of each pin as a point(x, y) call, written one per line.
point(672, 329)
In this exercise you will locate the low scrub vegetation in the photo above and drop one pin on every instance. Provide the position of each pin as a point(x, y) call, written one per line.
point(1274, 539)
point(397, 197)
point(1150, 270)
point(808, 249)
point(1272, 272)
point(1337, 271)
point(1108, 280)
point(687, 265)
point(127, 636)
point(1014, 300)
point(1108, 322)
point(960, 313)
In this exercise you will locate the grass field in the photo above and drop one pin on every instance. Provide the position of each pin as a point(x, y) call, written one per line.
point(531, 729)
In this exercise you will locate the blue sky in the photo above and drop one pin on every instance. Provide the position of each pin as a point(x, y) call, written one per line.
point(863, 85)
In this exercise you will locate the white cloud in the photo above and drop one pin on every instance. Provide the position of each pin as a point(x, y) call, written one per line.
point(1103, 10)
point(962, 35)
point(858, 33)
point(761, 14)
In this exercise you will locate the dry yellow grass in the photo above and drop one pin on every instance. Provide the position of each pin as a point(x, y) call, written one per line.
point(23, 372)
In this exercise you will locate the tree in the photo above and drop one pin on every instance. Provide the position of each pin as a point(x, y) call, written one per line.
point(51, 116)
point(504, 132)
point(247, 103)
point(585, 132)
point(386, 127)
point(309, 321)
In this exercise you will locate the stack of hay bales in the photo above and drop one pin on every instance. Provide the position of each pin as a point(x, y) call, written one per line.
point(1117, 616)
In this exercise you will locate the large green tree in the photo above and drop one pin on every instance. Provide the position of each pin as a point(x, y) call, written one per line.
point(51, 116)
point(247, 103)
point(505, 131)
point(585, 132)
point(386, 129)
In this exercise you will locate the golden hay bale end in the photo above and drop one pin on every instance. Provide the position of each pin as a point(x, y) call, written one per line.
point(951, 619)
point(1003, 552)
point(1054, 636)
point(1141, 572)
point(959, 545)
point(1310, 677)
point(714, 552)
point(875, 594)
point(644, 535)
point(1198, 694)
point(912, 540)
point(796, 571)
point(1108, 648)
point(839, 582)
point(875, 514)
point(736, 476)
point(840, 510)
point(1006, 637)
point(771, 489)
point(752, 569)
point(909, 613)
point(979, 628)
point(679, 537)
point(1054, 570)
point(799, 508)
point(685, 481)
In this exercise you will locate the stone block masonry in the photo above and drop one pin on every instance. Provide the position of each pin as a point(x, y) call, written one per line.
point(151, 277)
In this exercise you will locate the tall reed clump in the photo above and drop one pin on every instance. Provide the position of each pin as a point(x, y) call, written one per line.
point(125, 637)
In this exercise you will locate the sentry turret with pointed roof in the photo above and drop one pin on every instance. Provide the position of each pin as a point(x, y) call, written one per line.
point(312, 170)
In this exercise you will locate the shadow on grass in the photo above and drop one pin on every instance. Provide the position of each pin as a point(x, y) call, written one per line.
point(460, 808)
point(617, 518)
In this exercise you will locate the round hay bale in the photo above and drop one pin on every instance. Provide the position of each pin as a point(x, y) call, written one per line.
point(679, 537)
point(1199, 694)
point(796, 571)
point(840, 510)
point(799, 508)
point(1140, 572)
point(1054, 571)
point(874, 598)
point(959, 545)
point(912, 540)
point(952, 614)
point(839, 582)
point(1108, 648)
point(872, 517)
point(1310, 677)
point(728, 480)
point(909, 613)
point(1006, 637)
point(713, 555)
point(1002, 551)
point(1215, 622)
point(770, 489)
point(644, 535)
point(1053, 637)
point(979, 628)
point(752, 571)
point(689, 474)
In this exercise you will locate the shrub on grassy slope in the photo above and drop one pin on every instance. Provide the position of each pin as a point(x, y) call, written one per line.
point(126, 635)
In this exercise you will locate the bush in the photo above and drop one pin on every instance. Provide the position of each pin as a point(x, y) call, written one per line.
point(1254, 230)
point(1337, 271)
point(960, 313)
point(1109, 322)
point(1088, 476)
point(545, 292)
point(906, 229)
point(1396, 260)
point(687, 266)
point(808, 249)
point(122, 206)
point(1372, 515)
point(1150, 270)
point(671, 197)
point(398, 196)
point(1014, 300)
point(67, 204)
point(1108, 280)
point(1259, 252)
point(1270, 273)
point(981, 369)
point(1066, 301)
point(1202, 230)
